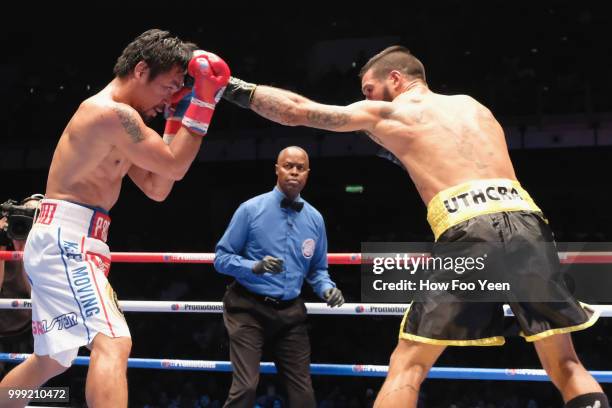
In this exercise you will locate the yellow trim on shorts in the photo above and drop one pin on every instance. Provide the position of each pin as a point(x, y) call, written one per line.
point(562, 330)
point(474, 198)
point(487, 341)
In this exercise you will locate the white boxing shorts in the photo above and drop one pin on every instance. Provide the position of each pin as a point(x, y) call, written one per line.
point(67, 261)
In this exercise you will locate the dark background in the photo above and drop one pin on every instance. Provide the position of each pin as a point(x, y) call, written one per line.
point(528, 62)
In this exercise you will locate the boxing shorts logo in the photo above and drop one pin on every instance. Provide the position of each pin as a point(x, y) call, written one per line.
point(308, 247)
point(99, 261)
point(45, 215)
point(60, 322)
point(114, 302)
point(99, 226)
point(480, 196)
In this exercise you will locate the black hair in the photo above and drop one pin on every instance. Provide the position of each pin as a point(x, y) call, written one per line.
point(392, 58)
point(159, 49)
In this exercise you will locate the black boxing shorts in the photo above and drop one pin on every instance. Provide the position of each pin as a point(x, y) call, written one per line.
point(496, 211)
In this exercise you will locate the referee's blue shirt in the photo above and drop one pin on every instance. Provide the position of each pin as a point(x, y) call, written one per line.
point(261, 227)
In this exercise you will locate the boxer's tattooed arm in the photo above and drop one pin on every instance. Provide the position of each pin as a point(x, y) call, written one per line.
point(277, 108)
point(327, 118)
point(283, 107)
point(129, 123)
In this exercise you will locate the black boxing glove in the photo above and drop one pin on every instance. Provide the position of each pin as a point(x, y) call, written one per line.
point(239, 92)
point(268, 264)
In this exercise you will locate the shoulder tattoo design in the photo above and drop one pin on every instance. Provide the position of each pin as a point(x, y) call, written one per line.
point(129, 123)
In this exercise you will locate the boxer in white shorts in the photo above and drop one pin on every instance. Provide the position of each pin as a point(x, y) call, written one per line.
point(66, 256)
point(67, 262)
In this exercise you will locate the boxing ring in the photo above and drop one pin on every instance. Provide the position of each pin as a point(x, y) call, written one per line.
point(361, 310)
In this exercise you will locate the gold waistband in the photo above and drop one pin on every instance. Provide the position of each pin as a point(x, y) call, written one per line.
point(467, 200)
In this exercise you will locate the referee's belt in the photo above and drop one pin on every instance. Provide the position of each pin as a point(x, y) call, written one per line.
point(268, 300)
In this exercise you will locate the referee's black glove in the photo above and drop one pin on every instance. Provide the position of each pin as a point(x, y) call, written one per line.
point(268, 264)
point(333, 297)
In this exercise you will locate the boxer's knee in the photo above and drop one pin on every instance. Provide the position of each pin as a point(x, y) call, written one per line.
point(111, 351)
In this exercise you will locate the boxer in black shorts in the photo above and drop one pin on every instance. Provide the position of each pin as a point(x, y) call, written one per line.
point(511, 227)
point(451, 146)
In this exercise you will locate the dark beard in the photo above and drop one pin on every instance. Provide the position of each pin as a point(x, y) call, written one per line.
point(387, 95)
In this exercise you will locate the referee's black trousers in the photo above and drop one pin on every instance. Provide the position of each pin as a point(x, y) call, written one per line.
point(251, 321)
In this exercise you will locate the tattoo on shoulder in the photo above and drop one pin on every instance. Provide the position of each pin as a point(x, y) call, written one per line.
point(328, 119)
point(129, 124)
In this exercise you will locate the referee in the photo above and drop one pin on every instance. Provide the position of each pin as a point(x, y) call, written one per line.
point(273, 242)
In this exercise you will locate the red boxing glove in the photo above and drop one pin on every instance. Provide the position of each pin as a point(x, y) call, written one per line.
point(211, 74)
point(175, 111)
